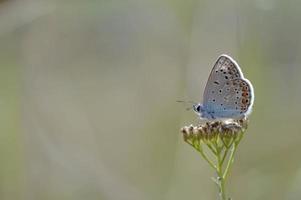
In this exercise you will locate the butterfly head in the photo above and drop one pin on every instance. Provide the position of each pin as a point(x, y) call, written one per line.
point(198, 108)
point(201, 111)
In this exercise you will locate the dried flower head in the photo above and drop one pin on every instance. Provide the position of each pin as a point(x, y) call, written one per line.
point(214, 130)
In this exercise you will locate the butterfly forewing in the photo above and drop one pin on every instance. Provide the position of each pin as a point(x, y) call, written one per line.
point(224, 70)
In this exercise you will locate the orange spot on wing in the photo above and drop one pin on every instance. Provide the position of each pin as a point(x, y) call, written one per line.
point(245, 94)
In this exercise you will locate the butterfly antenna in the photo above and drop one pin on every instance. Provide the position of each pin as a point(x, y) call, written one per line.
point(181, 101)
point(186, 102)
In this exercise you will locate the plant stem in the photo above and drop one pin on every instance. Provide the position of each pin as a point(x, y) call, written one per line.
point(231, 157)
point(220, 179)
point(200, 150)
point(222, 191)
point(225, 155)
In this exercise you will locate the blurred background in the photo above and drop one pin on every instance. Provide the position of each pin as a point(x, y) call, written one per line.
point(88, 93)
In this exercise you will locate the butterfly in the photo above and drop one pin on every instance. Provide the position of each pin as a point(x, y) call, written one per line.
point(227, 93)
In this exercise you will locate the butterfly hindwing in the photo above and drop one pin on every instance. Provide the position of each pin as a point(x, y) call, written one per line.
point(233, 100)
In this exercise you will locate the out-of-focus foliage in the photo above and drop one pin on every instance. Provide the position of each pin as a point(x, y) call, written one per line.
point(88, 93)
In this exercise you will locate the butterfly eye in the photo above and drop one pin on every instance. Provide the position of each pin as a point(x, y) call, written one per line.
point(198, 108)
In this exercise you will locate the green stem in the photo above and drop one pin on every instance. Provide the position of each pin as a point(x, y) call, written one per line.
point(225, 155)
point(222, 189)
point(230, 161)
point(220, 179)
point(211, 148)
point(231, 157)
point(200, 150)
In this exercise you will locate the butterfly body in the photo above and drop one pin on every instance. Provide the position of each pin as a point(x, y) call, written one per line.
point(227, 93)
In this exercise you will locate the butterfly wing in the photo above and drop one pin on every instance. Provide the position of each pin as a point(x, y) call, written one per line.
point(227, 93)
point(225, 69)
point(235, 100)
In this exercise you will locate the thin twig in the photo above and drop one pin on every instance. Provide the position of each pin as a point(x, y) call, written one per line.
point(231, 157)
point(225, 155)
point(204, 155)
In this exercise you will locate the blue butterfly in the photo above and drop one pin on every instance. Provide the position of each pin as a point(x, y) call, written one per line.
point(227, 93)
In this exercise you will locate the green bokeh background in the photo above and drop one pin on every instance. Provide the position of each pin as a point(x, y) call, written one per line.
point(88, 93)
